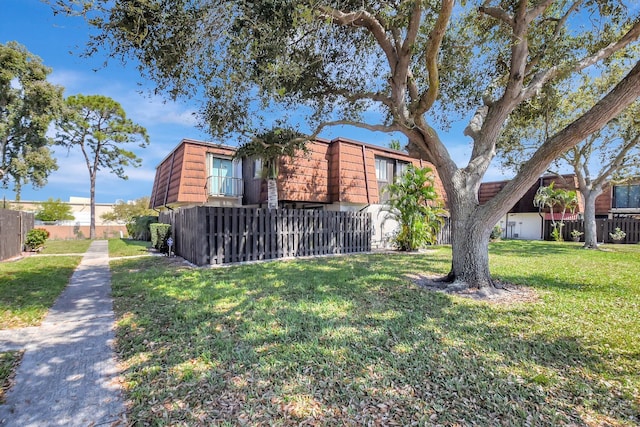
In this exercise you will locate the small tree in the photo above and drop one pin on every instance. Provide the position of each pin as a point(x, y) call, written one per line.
point(127, 211)
point(395, 144)
point(559, 200)
point(98, 125)
point(413, 202)
point(270, 147)
point(54, 210)
point(136, 215)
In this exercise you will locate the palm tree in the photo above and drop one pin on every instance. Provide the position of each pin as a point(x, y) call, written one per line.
point(549, 197)
point(414, 203)
point(270, 147)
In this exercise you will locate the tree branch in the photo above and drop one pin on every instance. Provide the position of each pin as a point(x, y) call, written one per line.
point(431, 57)
point(544, 76)
point(560, 23)
point(619, 161)
point(497, 13)
point(374, 128)
point(621, 96)
point(364, 19)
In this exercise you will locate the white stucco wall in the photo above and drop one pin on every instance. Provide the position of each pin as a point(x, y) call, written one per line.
point(383, 226)
point(522, 226)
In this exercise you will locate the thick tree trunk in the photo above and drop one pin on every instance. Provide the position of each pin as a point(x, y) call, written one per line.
point(470, 230)
point(470, 253)
point(92, 226)
point(590, 231)
point(471, 223)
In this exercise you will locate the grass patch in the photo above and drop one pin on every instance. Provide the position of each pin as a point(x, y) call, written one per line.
point(66, 246)
point(9, 362)
point(126, 247)
point(30, 286)
point(350, 341)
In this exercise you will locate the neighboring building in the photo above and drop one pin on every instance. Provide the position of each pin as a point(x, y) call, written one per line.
point(78, 227)
point(80, 209)
point(525, 221)
point(340, 174)
point(624, 200)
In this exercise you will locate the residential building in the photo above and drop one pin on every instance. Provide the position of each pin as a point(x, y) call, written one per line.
point(338, 174)
point(525, 221)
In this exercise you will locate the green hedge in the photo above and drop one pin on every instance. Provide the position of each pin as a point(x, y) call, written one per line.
point(159, 235)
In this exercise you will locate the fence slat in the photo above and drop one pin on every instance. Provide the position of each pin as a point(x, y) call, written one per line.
point(14, 226)
point(604, 227)
point(216, 235)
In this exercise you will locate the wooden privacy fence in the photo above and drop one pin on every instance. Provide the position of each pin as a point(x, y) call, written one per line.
point(217, 235)
point(444, 235)
point(603, 227)
point(14, 226)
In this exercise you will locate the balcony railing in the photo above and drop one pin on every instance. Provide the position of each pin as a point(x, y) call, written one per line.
point(224, 186)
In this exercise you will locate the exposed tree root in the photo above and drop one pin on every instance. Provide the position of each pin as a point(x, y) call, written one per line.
point(595, 247)
point(499, 293)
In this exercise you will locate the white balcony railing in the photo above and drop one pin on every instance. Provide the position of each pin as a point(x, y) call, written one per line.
point(224, 186)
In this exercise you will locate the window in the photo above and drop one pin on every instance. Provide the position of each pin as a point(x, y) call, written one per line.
point(257, 168)
point(626, 196)
point(388, 170)
point(223, 176)
point(382, 169)
point(401, 168)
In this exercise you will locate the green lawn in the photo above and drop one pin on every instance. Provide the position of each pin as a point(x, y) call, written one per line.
point(66, 246)
point(126, 247)
point(351, 341)
point(30, 286)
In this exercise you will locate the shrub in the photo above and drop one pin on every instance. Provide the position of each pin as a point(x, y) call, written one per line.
point(618, 234)
point(413, 202)
point(496, 233)
point(35, 238)
point(159, 235)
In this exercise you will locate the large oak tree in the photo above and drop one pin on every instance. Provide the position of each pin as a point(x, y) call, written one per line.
point(419, 62)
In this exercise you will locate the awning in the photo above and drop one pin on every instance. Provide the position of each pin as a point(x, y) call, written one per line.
point(557, 216)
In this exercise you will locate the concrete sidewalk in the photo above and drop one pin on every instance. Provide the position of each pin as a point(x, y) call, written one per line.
point(68, 375)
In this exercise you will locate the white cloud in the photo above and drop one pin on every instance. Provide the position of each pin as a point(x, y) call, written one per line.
point(71, 80)
point(155, 110)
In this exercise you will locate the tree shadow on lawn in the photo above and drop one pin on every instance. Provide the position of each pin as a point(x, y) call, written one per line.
point(27, 293)
point(344, 341)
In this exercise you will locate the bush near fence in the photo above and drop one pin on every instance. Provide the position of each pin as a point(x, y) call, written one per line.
point(216, 235)
point(603, 227)
point(14, 226)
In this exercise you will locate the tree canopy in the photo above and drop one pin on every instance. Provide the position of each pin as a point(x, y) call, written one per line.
point(127, 211)
point(418, 63)
point(28, 104)
point(54, 210)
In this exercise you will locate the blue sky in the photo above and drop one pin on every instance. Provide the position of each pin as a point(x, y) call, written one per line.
point(59, 41)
